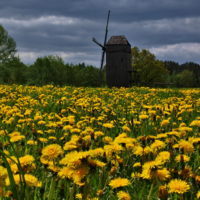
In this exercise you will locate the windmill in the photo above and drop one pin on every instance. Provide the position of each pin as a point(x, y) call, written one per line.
point(103, 48)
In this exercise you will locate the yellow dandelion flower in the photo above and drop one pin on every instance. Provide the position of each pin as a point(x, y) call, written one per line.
point(79, 174)
point(16, 179)
point(198, 194)
point(14, 168)
point(26, 160)
point(164, 156)
point(143, 117)
point(123, 196)
point(40, 132)
point(38, 118)
point(79, 196)
point(108, 125)
point(119, 182)
point(17, 138)
point(53, 168)
point(146, 174)
point(74, 158)
point(41, 122)
point(178, 186)
point(43, 139)
point(2, 132)
point(69, 146)
point(65, 172)
point(107, 139)
point(50, 131)
point(45, 162)
point(15, 133)
point(10, 161)
point(75, 130)
point(154, 164)
point(161, 135)
point(135, 175)
point(52, 138)
point(97, 152)
point(163, 174)
point(164, 123)
point(137, 164)
point(52, 151)
point(31, 180)
point(113, 147)
point(157, 145)
point(98, 133)
point(67, 127)
point(139, 151)
point(31, 142)
point(126, 128)
point(3, 176)
point(187, 146)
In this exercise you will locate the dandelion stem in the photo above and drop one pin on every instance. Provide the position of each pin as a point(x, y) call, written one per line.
point(129, 156)
point(87, 187)
point(27, 192)
point(151, 190)
point(52, 188)
point(143, 127)
point(157, 181)
point(67, 194)
point(59, 185)
point(73, 190)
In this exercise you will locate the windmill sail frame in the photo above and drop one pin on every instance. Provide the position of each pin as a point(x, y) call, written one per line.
point(103, 48)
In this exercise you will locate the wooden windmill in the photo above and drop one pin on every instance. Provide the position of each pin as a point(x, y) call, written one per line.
point(103, 48)
point(118, 60)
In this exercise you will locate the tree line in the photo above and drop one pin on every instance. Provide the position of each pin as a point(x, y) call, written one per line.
point(52, 69)
point(49, 70)
point(150, 69)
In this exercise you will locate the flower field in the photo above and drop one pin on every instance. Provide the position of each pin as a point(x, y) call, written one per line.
point(91, 143)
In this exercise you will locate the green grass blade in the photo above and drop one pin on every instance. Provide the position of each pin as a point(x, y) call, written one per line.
point(11, 178)
point(22, 183)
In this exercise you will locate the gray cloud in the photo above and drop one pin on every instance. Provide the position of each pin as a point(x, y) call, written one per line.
point(66, 28)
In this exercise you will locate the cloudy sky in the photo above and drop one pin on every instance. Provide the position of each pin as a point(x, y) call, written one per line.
point(168, 28)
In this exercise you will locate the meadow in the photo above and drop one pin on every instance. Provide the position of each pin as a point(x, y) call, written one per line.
point(97, 143)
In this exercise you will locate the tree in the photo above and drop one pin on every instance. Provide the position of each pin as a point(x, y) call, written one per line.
point(13, 72)
point(171, 66)
point(46, 70)
point(7, 46)
point(188, 79)
point(148, 68)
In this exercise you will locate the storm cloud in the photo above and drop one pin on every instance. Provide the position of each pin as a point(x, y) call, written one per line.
point(169, 29)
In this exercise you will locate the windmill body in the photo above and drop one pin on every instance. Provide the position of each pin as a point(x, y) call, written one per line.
point(118, 62)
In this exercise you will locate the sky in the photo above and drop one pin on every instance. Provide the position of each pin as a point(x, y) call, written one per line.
point(170, 29)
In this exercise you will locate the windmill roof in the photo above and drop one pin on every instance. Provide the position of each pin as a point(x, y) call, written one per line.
point(118, 40)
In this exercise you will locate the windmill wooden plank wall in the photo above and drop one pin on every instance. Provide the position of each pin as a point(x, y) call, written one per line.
point(118, 62)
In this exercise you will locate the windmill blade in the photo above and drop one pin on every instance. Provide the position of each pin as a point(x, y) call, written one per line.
point(103, 48)
point(94, 40)
point(106, 29)
point(102, 59)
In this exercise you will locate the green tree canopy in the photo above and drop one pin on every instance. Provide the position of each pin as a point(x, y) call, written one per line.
point(148, 68)
point(7, 46)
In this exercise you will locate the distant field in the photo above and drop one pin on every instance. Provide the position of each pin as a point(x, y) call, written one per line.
point(89, 143)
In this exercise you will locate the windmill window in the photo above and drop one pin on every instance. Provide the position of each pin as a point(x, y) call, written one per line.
point(121, 59)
